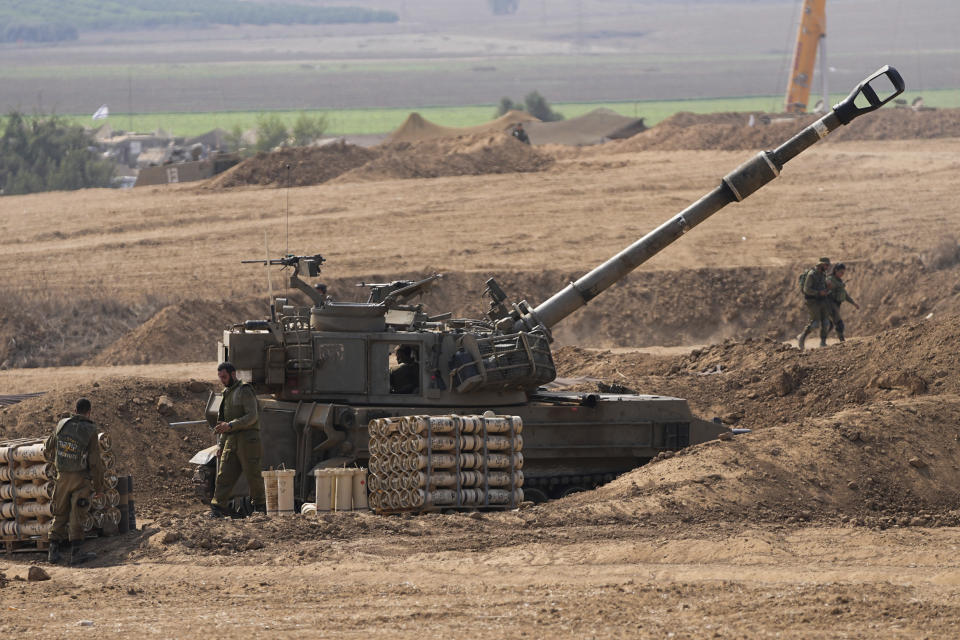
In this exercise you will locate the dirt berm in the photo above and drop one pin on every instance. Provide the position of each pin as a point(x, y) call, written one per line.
point(734, 131)
point(692, 306)
point(838, 440)
point(466, 155)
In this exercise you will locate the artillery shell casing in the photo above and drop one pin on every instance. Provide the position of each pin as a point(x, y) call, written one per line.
point(130, 505)
point(124, 507)
point(29, 453)
point(39, 471)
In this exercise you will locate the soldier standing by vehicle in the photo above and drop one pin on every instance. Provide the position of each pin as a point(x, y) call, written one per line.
point(838, 295)
point(239, 450)
point(813, 284)
point(75, 452)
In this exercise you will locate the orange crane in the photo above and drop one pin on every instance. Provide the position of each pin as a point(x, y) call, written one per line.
point(811, 34)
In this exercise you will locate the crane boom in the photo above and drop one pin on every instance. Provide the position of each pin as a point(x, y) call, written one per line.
point(810, 35)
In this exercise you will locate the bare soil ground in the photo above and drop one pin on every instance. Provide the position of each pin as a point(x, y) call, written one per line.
point(836, 517)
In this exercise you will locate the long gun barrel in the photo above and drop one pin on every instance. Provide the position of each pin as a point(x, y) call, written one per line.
point(872, 93)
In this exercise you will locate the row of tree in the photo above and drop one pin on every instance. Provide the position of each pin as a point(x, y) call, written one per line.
point(52, 20)
point(47, 153)
point(534, 104)
point(271, 132)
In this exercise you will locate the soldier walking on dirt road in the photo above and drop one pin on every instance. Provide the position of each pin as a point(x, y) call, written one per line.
point(838, 295)
point(75, 452)
point(238, 450)
point(815, 291)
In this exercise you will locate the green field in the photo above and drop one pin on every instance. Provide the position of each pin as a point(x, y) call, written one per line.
point(374, 121)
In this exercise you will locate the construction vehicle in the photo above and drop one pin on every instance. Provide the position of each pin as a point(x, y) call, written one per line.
point(324, 370)
point(811, 37)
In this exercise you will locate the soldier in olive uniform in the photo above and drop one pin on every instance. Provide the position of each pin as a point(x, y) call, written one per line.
point(520, 133)
point(239, 447)
point(815, 292)
point(838, 295)
point(75, 452)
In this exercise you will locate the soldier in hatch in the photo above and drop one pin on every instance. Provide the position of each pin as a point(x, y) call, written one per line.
point(75, 452)
point(815, 291)
point(239, 447)
point(520, 133)
point(405, 377)
point(838, 295)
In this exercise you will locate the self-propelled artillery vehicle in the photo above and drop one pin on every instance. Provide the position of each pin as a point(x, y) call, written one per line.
point(324, 371)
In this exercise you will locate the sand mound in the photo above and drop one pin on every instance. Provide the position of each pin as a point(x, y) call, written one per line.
point(762, 383)
point(887, 464)
point(417, 129)
point(308, 165)
point(703, 305)
point(425, 156)
point(156, 454)
point(732, 132)
point(864, 432)
point(185, 332)
point(594, 127)
point(471, 155)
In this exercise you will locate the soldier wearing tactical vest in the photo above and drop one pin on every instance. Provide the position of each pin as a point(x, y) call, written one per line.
point(75, 452)
point(838, 295)
point(239, 447)
point(815, 292)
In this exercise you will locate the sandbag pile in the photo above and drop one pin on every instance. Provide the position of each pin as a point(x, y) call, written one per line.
point(429, 463)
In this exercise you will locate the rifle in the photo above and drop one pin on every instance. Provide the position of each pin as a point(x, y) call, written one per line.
point(187, 423)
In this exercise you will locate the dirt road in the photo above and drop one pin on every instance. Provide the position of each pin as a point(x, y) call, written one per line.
point(720, 580)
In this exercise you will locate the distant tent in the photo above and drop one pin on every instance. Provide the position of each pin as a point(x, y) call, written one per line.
point(416, 128)
point(594, 127)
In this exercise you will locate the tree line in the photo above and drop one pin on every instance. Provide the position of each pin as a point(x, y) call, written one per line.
point(48, 153)
point(55, 20)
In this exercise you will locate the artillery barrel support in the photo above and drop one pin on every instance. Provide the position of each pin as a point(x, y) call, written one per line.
point(735, 186)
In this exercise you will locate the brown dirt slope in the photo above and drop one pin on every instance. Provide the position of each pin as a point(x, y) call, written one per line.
point(308, 165)
point(155, 454)
point(703, 305)
point(761, 383)
point(185, 332)
point(890, 463)
point(429, 157)
point(471, 155)
point(731, 132)
point(416, 128)
point(594, 127)
point(865, 432)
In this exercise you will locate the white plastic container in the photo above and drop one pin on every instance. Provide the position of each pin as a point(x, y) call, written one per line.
point(285, 491)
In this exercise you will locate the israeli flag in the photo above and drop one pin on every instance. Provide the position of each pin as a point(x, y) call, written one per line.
point(102, 113)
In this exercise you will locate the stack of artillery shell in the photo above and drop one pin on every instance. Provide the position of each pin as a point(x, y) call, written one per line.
point(26, 489)
point(104, 511)
point(426, 463)
point(27, 483)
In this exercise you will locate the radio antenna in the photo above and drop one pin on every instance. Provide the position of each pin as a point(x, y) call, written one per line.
point(287, 208)
point(266, 265)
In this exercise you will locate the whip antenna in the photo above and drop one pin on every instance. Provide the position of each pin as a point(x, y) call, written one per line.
point(287, 208)
point(266, 265)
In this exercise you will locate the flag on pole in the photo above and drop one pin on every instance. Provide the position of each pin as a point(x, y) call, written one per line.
point(102, 113)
